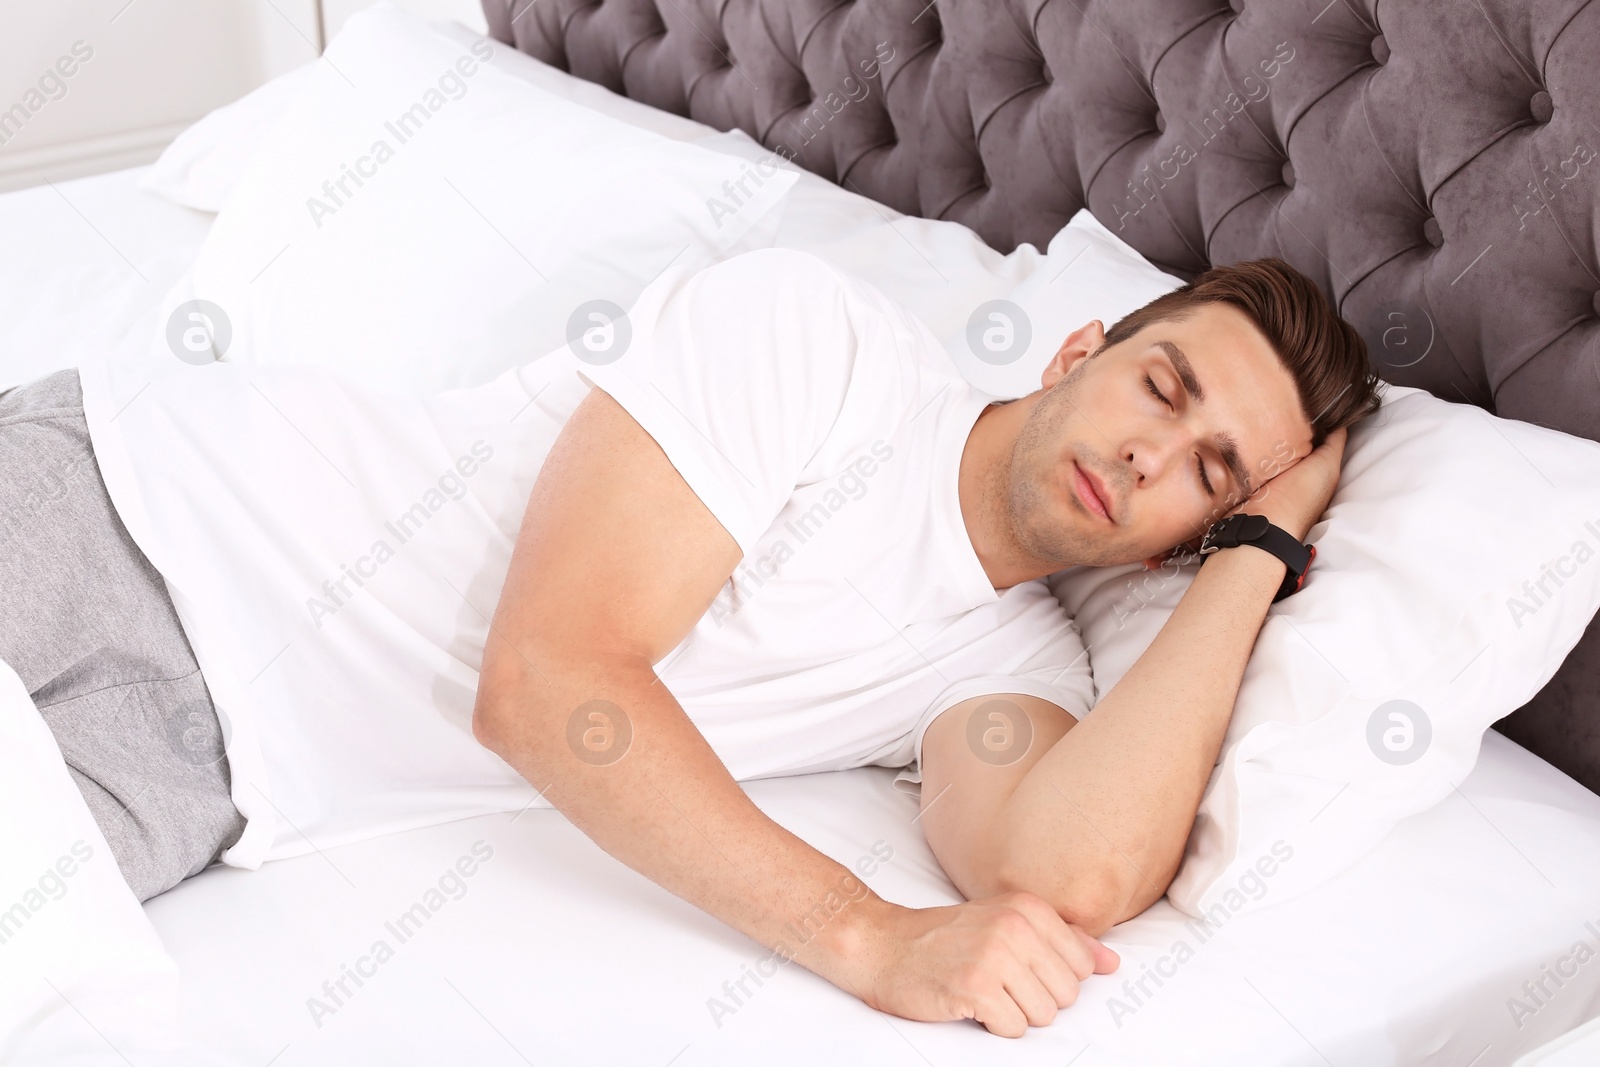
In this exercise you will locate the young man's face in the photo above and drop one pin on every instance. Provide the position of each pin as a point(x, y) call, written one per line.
point(1234, 414)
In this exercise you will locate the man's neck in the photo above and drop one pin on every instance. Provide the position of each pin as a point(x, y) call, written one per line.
point(982, 482)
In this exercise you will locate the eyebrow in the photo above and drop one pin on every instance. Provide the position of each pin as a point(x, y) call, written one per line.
point(1185, 371)
point(1227, 447)
point(1235, 463)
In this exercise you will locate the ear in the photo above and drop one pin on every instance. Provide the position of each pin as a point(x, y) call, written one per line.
point(1079, 345)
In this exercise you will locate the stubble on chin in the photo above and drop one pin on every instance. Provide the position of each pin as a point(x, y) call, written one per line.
point(1042, 520)
point(1047, 522)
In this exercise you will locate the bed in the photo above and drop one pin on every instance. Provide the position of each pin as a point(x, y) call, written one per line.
point(1425, 952)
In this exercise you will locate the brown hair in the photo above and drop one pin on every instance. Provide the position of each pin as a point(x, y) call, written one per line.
point(1324, 354)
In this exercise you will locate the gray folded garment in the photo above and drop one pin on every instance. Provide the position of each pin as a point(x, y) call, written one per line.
point(90, 629)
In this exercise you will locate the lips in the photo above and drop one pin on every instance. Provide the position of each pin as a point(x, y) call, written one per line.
point(1092, 492)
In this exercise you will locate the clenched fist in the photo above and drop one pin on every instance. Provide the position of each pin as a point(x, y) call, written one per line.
point(1008, 961)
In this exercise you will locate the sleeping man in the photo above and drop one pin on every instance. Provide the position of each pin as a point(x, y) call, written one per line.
point(760, 526)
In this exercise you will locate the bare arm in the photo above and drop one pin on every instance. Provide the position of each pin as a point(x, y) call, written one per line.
point(616, 561)
point(1095, 817)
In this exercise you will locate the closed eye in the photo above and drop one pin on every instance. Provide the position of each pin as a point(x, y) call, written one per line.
point(1200, 463)
point(1150, 384)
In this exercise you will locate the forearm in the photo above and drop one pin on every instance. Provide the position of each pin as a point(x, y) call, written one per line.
point(1113, 801)
point(669, 809)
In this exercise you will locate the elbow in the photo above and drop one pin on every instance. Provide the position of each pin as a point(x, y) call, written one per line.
point(1086, 901)
point(492, 715)
point(1092, 895)
point(522, 713)
point(485, 729)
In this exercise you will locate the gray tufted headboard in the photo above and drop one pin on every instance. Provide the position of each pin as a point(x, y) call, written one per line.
point(1433, 164)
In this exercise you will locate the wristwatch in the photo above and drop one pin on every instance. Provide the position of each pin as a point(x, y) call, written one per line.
point(1236, 530)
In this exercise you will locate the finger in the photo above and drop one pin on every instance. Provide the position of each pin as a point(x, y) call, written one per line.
point(1037, 1003)
point(1056, 935)
point(1073, 951)
point(1000, 1014)
point(1335, 442)
point(1059, 962)
point(1332, 445)
point(1105, 960)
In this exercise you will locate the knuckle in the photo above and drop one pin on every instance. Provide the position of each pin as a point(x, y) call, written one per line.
point(1013, 924)
point(1023, 898)
point(994, 954)
point(968, 978)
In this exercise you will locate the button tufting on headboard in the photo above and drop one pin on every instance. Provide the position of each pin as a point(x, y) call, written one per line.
point(1440, 122)
point(1428, 136)
point(1541, 107)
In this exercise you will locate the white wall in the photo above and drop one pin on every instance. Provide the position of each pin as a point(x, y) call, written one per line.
point(93, 85)
point(467, 12)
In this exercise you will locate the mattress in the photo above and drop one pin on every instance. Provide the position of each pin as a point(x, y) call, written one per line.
point(1437, 948)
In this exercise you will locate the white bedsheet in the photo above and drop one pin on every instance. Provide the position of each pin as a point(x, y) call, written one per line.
point(556, 953)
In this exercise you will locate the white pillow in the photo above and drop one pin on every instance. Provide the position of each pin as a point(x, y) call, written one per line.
point(201, 167)
point(1088, 274)
point(941, 271)
point(204, 163)
point(1421, 623)
point(423, 220)
point(945, 275)
point(580, 91)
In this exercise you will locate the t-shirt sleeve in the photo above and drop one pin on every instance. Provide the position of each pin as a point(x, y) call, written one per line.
point(1058, 672)
point(744, 372)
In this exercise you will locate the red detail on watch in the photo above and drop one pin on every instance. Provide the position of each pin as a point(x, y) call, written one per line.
point(1300, 581)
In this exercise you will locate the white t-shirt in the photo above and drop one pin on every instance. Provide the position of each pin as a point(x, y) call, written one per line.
point(334, 552)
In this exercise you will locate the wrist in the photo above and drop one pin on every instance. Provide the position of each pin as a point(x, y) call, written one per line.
point(1258, 560)
point(1295, 525)
point(1249, 566)
point(1259, 531)
point(846, 951)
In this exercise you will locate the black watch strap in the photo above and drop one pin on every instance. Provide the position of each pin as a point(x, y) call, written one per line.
point(1256, 530)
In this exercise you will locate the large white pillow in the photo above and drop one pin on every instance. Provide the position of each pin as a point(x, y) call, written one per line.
point(941, 271)
point(1457, 565)
point(204, 163)
point(1087, 274)
point(423, 220)
point(201, 167)
point(1001, 317)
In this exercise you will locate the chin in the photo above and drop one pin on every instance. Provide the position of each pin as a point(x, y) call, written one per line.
point(1063, 540)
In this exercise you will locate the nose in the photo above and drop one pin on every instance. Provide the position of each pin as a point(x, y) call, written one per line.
point(1152, 454)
